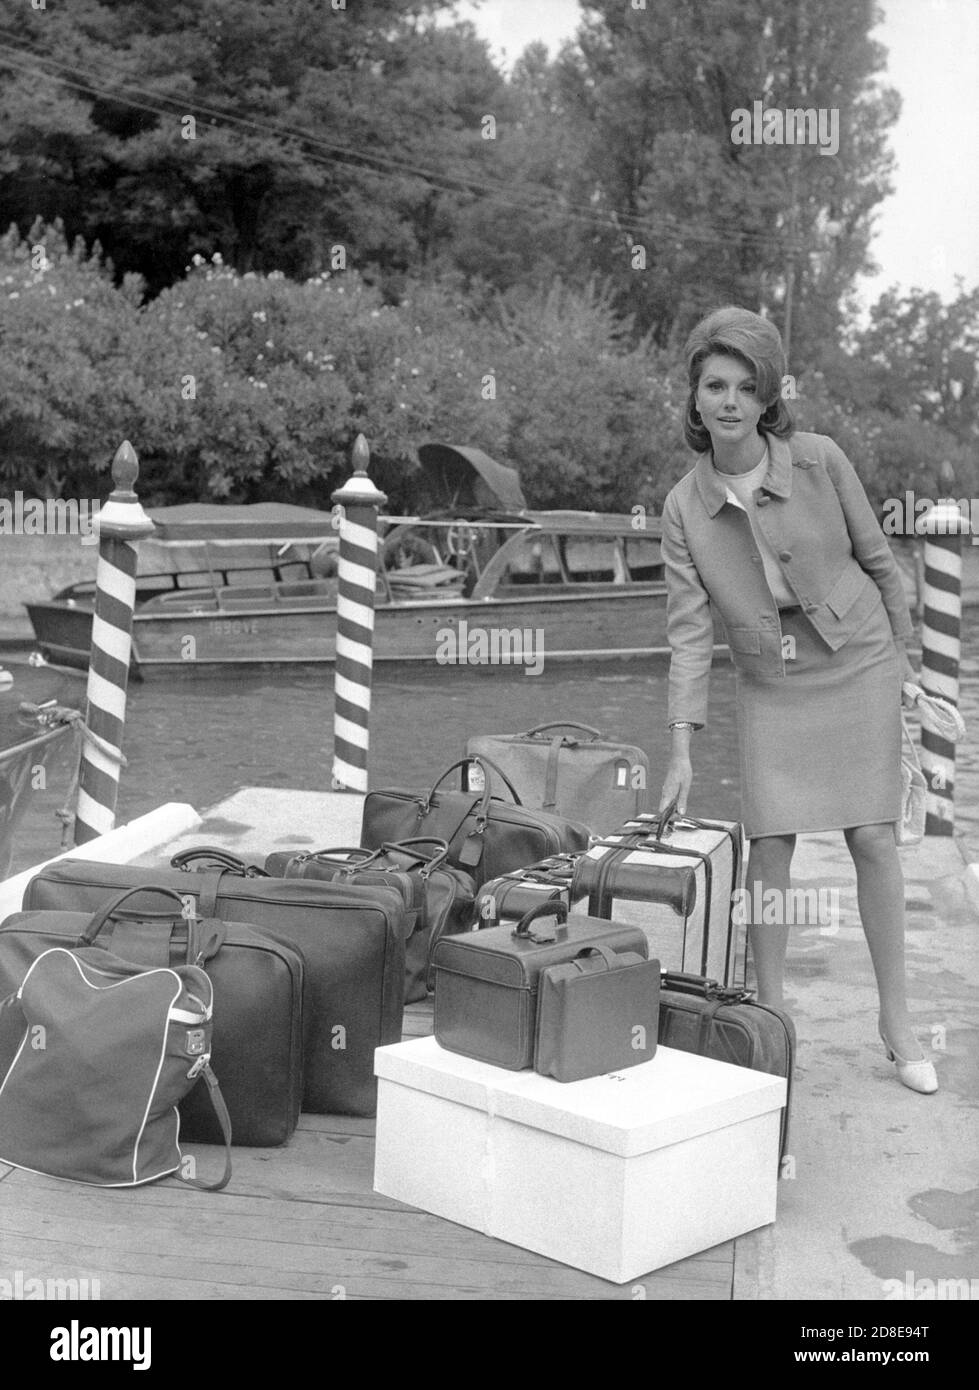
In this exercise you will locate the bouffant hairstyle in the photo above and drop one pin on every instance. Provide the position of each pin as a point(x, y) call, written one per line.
point(739, 333)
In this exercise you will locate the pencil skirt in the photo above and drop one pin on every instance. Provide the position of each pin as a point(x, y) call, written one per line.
point(820, 748)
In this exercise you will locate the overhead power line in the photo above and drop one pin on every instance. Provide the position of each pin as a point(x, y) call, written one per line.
point(325, 153)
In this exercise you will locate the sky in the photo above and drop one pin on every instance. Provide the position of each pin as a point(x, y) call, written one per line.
point(927, 232)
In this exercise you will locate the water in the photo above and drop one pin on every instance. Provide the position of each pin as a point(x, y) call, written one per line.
point(200, 740)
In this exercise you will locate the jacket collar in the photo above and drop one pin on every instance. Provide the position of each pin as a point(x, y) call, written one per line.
point(777, 479)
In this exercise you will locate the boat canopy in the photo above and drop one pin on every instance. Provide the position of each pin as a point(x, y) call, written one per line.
point(462, 478)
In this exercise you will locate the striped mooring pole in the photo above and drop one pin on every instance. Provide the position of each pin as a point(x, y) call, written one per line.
point(356, 585)
point(941, 647)
point(122, 522)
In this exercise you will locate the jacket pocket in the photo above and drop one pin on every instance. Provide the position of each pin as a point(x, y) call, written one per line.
point(744, 639)
point(846, 591)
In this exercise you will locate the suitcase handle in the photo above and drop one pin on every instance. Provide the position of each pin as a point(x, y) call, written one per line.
point(605, 951)
point(214, 854)
point(554, 907)
point(562, 724)
point(704, 988)
point(484, 799)
point(430, 862)
point(666, 815)
point(105, 912)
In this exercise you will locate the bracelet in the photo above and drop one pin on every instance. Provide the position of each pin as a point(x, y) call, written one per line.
point(682, 724)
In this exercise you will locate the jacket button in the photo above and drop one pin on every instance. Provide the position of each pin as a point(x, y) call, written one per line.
point(809, 607)
point(764, 500)
point(785, 554)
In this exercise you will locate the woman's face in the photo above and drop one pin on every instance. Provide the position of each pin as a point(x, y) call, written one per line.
point(727, 398)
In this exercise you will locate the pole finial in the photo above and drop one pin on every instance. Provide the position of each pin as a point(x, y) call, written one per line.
point(125, 470)
point(360, 454)
point(122, 517)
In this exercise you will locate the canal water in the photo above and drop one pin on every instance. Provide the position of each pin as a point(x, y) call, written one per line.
point(198, 740)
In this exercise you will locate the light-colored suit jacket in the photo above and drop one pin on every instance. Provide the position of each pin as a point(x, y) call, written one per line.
point(812, 509)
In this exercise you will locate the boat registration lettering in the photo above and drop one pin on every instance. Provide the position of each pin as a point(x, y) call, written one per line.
point(235, 627)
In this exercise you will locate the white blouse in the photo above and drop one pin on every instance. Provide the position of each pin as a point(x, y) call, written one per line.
point(740, 489)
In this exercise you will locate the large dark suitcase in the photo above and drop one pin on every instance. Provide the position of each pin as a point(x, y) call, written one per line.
point(352, 941)
point(698, 1015)
point(257, 984)
point(572, 770)
point(676, 878)
point(438, 897)
point(486, 981)
point(486, 835)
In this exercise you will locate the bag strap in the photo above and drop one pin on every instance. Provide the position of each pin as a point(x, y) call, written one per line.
point(429, 862)
point(550, 777)
point(906, 732)
point(562, 724)
point(224, 1120)
point(104, 913)
point(606, 952)
point(216, 856)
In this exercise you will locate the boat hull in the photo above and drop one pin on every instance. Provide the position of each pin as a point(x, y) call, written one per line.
point(529, 631)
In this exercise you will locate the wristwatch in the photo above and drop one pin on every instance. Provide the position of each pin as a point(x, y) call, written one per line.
point(682, 724)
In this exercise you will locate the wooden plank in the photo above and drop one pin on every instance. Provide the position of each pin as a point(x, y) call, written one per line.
point(242, 1251)
point(402, 1231)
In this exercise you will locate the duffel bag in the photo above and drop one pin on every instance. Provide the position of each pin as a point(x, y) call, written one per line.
point(572, 770)
point(95, 1055)
point(257, 1046)
point(352, 941)
point(486, 835)
point(440, 896)
point(700, 1015)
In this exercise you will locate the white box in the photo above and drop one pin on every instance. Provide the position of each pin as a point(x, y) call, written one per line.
point(617, 1175)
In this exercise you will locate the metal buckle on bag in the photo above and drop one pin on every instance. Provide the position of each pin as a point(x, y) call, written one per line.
point(199, 1065)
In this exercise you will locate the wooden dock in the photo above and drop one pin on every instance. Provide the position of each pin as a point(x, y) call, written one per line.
point(301, 1221)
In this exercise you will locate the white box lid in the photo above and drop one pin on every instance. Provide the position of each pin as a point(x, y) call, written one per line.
point(675, 1096)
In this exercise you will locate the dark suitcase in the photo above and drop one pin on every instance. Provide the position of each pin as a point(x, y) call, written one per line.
point(676, 878)
point(698, 1015)
point(352, 941)
point(486, 981)
point(572, 770)
point(439, 897)
point(486, 835)
point(511, 895)
point(257, 984)
point(596, 1014)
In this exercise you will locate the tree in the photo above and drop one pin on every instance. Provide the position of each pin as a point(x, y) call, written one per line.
point(655, 90)
point(270, 132)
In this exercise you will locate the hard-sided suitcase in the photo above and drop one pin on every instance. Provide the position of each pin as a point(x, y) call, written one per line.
point(675, 877)
point(700, 1015)
point(439, 897)
point(508, 897)
point(572, 770)
point(487, 836)
point(596, 1014)
point(486, 981)
point(257, 1046)
point(352, 941)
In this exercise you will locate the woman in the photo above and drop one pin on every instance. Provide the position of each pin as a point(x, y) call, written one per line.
point(773, 531)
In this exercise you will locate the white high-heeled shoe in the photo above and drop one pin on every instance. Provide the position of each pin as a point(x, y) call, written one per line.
point(917, 1076)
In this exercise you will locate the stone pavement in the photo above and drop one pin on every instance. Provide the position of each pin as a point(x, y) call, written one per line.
point(880, 1183)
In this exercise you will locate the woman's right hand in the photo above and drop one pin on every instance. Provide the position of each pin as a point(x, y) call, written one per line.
point(679, 775)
